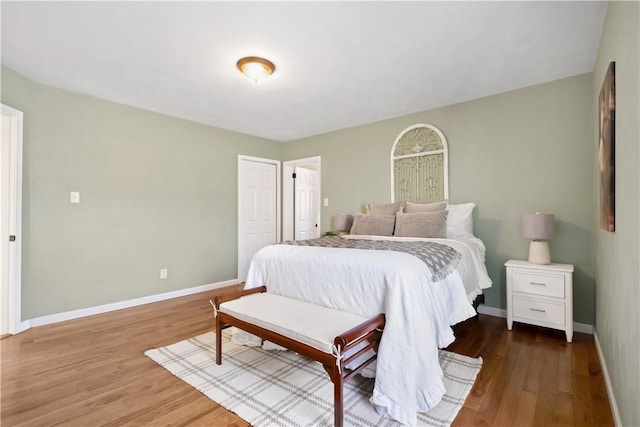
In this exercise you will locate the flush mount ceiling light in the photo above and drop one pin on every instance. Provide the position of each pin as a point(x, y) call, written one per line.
point(256, 68)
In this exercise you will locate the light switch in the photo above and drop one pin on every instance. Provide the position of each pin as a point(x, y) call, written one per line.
point(74, 197)
point(326, 202)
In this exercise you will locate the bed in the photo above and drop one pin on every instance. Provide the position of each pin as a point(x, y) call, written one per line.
point(357, 273)
point(420, 312)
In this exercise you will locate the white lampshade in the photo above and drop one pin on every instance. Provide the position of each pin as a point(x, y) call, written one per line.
point(342, 222)
point(539, 228)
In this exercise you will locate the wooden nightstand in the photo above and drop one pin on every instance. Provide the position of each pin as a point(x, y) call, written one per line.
point(540, 295)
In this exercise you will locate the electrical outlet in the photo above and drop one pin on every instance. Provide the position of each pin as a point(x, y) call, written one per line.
point(163, 273)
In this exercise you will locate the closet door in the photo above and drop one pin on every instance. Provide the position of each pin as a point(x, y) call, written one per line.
point(258, 212)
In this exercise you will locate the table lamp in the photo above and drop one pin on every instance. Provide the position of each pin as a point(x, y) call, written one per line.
point(342, 223)
point(539, 228)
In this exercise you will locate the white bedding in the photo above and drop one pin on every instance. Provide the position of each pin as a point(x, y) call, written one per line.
point(472, 269)
point(419, 313)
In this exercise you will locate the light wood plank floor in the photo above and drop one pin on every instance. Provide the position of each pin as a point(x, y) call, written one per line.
point(92, 372)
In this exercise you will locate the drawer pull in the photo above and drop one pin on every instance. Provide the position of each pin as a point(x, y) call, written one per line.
point(538, 310)
point(537, 284)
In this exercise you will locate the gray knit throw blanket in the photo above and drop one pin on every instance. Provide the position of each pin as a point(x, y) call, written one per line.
point(440, 259)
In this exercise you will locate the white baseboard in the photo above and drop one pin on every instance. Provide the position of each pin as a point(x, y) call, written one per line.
point(492, 311)
point(501, 312)
point(607, 381)
point(90, 311)
point(23, 326)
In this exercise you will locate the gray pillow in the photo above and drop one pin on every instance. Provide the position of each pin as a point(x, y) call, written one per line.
point(422, 224)
point(411, 207)
point(384, 209)
point(373, 225)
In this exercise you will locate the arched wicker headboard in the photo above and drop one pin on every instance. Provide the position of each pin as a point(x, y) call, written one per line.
point(420, 165)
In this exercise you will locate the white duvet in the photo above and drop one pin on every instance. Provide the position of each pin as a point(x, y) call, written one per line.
point(419, 313)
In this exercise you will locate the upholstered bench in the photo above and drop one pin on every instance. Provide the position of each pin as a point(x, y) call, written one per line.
point(322, 334)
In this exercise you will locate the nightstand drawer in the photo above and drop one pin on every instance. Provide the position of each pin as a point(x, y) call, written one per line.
point(538, 284)
point(538, 311)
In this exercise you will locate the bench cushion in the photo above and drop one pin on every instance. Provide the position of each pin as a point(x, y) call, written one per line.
point(301, 321)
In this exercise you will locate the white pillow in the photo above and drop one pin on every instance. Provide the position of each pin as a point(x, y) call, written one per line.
point(460, 220)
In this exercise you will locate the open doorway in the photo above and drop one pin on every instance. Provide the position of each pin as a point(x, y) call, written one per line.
point(301, 197)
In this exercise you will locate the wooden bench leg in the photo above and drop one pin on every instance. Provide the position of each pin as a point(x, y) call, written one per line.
point(338, 399)
point(218, 340)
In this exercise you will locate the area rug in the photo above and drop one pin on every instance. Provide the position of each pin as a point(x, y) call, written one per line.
point(267, 388)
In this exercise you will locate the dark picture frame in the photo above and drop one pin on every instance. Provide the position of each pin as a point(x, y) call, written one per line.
point(607, 149)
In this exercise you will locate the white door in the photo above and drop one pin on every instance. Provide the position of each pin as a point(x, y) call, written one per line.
point(258, 208)
point(10, 211)
point(306, 204)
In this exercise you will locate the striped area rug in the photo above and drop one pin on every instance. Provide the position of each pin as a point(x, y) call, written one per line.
point(268, 388)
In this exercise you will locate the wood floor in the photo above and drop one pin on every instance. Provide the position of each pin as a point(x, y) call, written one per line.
point(92, 372)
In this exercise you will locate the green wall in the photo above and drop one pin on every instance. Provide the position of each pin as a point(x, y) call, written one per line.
point(155, 190)
point(155, 193)
point(523, 151)
point(618, 253)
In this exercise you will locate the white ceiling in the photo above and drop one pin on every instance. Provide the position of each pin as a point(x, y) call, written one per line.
point(339, 64)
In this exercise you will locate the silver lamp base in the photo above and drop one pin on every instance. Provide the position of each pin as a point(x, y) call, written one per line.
point(539, 252)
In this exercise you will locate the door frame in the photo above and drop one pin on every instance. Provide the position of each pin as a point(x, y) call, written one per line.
point(13, 259)
point(287, 192)
point(240, 228)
